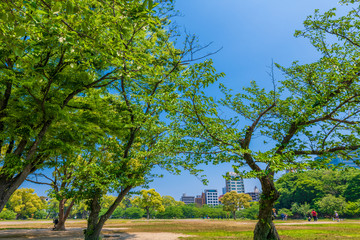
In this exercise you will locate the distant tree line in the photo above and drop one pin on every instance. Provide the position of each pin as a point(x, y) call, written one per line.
point(326, 191)
point(25, 204)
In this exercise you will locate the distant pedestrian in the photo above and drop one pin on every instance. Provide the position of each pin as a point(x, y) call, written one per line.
point(314, 214)
point(274, 213)
point(282, 216)
point(337, 216)
point(56, 221)
point(286, 216)
point(309, 218)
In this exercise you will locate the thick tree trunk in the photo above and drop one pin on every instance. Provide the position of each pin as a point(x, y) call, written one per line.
point(95, 224)
point(63, 215)
point(8, 185)
point(93, 229)
point(234, 214)
point(265, 228)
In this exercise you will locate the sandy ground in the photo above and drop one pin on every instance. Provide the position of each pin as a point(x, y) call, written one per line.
point(77, 234)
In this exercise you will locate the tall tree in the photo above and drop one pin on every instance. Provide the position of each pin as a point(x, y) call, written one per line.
point(149, 200)
point(314, 111)
point(53, 56)
point(60, 181)
point(25, 203)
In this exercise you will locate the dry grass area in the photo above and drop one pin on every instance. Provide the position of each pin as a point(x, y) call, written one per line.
point(196, 229)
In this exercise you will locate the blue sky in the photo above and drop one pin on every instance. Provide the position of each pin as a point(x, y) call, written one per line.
point(252, 34)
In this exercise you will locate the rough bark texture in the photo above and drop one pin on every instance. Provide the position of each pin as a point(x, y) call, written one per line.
point(63, 215)
point(93, 229)
point(265, 228)
point(9, 185)
point(95, 224)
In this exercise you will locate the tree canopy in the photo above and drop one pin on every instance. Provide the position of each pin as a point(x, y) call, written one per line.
point(233, 201)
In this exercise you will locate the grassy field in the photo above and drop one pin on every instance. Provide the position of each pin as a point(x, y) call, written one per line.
point(211, 229)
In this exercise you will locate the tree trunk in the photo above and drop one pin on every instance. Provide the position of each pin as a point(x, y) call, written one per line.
point(234, 214)
point(265, 228)
point(93, 231)
point(147, 213)
point(95, 224)
point(63, 215)
point(8, 185)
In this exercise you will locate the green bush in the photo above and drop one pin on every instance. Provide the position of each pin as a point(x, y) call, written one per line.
point(250, 213)
point(40, 214)
point(8, 214)
point(133, 213)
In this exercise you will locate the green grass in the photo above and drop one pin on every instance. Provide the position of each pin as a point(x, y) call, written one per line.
point(198, 229)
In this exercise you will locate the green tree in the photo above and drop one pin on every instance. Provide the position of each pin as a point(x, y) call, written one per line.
point(171, 212)
point(133, 213)
point(168, 201)
point(60, 181)
point(312, 112)
point(352, 191)
point(191, 211)
point(329, 204)
point(8, 214)
point(252, 212)
point(352, 209)
point(301, 209)
point(25, 203)
point(148, 200)
point(233, 201)
point(55, 57)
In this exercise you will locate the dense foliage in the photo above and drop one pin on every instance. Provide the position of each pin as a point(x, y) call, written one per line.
point(326, 190)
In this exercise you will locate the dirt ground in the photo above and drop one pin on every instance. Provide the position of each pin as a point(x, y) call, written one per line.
point(20, 230)
point(77, 233)
point(128, 229)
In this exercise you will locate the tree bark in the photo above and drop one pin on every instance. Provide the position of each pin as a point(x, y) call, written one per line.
point(147, 213)
point(95, 224)
point(93, 231)
point(63, 215)
point(8, 185)
point(265, 228)
point(234, 214)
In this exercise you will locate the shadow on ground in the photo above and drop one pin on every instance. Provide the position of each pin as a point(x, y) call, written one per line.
point(73, 233)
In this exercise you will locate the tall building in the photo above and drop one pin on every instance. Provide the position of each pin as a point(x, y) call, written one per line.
point(187, 199)
point(255, 195)
point(211, 197)
point(200, 200)
point(234, 185)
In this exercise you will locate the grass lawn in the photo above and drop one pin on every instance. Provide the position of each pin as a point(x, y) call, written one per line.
point(200, 229)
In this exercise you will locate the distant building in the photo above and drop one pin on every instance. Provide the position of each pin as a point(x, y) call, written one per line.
point(223, 190)
point(255, 195)
point(200, 200)
point(211, 197)
point(219, 198)
point(187, 199)
point(234, 185)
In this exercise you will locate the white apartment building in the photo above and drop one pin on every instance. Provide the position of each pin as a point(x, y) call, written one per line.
point(234, 185)
point(211, 197)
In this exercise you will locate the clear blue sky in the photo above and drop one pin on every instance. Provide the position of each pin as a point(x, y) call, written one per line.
point(252, 34)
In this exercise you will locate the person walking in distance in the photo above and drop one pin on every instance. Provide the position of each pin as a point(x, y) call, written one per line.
point(314, 214)
point(337, 216)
